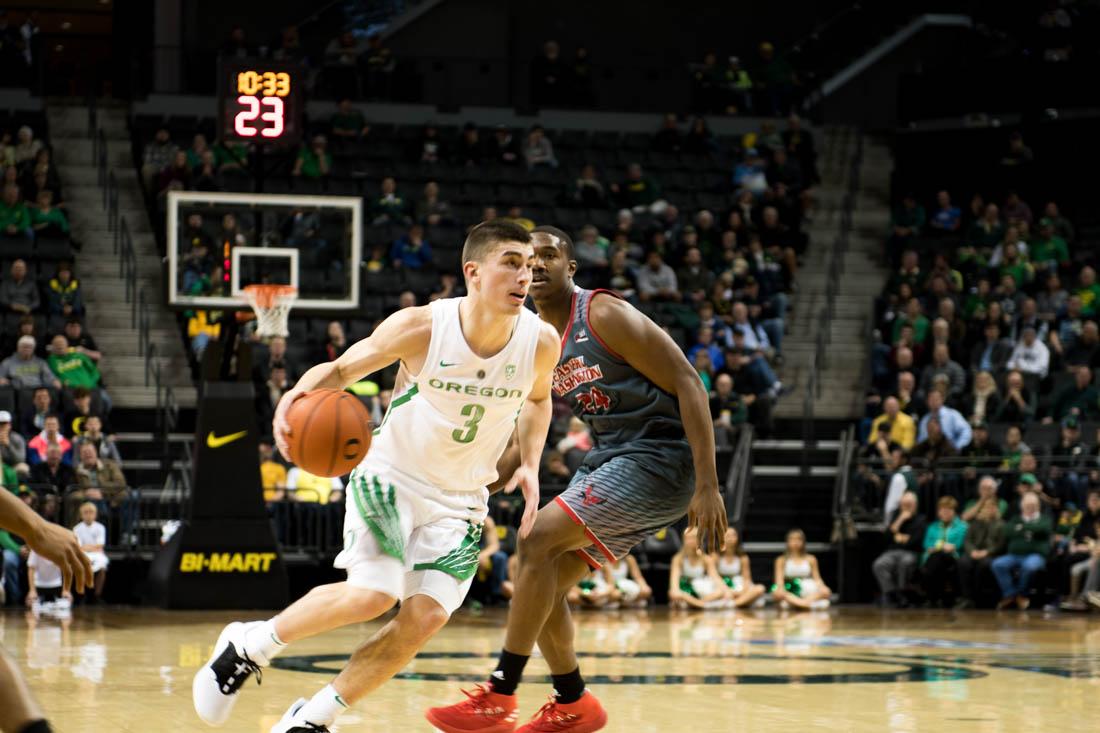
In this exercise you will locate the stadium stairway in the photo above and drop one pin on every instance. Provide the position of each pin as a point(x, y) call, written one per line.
point(842, 381)
point(109, 315)
point(786, 494)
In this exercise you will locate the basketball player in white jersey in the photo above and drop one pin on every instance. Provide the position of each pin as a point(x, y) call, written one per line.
point(472, 370)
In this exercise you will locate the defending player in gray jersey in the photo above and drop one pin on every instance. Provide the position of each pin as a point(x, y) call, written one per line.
point(653, 460)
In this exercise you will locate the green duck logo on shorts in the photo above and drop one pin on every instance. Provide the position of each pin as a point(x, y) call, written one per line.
point(460, 562)
point(378, 508)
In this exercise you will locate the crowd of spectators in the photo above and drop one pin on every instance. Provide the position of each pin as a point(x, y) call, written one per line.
point(358, 64)
point(57, 447)
point(767, 85)
point(713, 259)
point(984, 367)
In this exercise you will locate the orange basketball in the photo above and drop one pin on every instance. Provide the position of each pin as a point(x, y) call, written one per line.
point(330, 432)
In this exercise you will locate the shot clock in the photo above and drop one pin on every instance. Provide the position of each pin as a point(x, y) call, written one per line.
point(260, 102)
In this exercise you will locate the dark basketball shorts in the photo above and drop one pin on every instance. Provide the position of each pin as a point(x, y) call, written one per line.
point(623, 501)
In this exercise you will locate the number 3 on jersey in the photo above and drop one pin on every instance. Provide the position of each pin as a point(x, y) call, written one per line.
point(475, 413)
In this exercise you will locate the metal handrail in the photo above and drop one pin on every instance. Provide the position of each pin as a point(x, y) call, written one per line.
point(93, 114)
point(167, 408)
point(842, 510)
point(819, 360)
point(738, 479)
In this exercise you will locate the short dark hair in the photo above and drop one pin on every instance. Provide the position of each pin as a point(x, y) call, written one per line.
point(486, 235)
point(565, 239)
point(80, 393)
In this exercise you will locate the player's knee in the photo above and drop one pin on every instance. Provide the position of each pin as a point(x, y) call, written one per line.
point(540, 546)
point(364, 604)
point(421, 618)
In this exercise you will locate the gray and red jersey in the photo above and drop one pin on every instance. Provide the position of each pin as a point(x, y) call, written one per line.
point(625, 412)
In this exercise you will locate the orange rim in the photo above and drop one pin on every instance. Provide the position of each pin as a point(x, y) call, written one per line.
point(265, 295)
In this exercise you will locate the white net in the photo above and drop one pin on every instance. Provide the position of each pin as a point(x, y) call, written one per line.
point(272, 304)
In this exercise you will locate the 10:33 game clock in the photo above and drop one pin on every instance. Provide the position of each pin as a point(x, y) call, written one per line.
point(260, 101)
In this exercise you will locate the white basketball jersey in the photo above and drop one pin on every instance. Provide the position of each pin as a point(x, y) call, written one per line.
point(451, 422)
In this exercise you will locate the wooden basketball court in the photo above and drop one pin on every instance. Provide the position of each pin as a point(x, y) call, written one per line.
point(129, 670)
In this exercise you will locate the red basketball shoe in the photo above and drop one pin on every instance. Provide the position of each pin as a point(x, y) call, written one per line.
point(583, 716)
point(483, 711)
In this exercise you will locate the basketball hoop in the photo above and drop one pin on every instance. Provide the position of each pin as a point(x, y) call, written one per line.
point(272, 304)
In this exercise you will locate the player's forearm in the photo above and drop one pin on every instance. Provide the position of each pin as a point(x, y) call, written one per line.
point(322, 376)
point(533, 424)
point(695, 414)
point(17, 517)
point(506, 466)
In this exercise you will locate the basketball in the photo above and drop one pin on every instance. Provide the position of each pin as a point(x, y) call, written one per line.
point(330, 432)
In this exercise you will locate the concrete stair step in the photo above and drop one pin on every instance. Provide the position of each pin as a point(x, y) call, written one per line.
point(116, 314)
point(91, 191)
point(128, 349)
point(103, 270)
point(100, 266)
point(99, 235)
point(131, 372)
point(80, 151)
point(106, 290)
point(137, 397)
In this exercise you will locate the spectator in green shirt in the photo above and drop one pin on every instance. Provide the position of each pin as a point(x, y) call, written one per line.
point(1088, 291)
point(638, 192)
point(987, 232)
point(230, 155)
point(15, 219)
point(942, 542)
point(915, 318)
point(71, 367)
point(348, 123)
point(1027, 545)
point(1015, 265)
point(314, 161)
point(390, 205)
point(1049, 251)
point(908, 220)
point(1062, 226)
point(1080, 399)
point(46, 219)
point(194, 153)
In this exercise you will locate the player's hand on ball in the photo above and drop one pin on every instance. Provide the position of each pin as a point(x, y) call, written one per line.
point(707, 515)
point(280, 428)
point(60, 546)
point(527, 479)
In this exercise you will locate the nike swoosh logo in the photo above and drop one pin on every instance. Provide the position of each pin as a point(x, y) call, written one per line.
point(445, 364)
point(213, 441)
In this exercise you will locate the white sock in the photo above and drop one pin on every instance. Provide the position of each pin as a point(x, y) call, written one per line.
point(262, 644)
point(323, 708)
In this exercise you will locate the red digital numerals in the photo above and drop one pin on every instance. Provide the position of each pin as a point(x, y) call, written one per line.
point(254, 109)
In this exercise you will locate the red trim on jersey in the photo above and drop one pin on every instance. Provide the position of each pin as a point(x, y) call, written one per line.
point(589, 560)
point(572, 319)
point(588, 320)
point(587, 532)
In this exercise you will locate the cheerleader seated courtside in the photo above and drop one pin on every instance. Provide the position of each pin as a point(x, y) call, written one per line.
point(626, 577)
point(798, 584)
point(693, 579)
point(736, 573)
point(594, 591)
